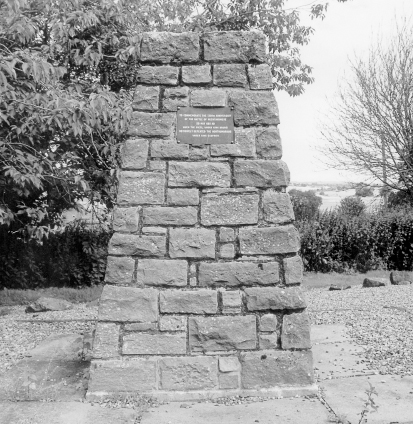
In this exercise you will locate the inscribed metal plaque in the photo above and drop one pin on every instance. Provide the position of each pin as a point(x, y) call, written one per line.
point(205, 126)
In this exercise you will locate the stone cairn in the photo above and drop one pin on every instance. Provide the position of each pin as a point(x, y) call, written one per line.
point(202, 295)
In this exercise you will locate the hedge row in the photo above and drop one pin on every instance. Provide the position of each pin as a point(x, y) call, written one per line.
point(75, 257)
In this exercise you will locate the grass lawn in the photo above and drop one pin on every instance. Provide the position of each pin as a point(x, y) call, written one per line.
point(317, 280)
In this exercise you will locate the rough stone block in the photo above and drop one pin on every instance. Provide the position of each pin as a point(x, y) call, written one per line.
point(120, 271)
point(233, 75)
point(165, 75)
point(235, 274)
point(145, 124)
point(268, 143)
point(141, 188)
point(208, 98)
point(271, 368)
point(106, 341)
point(167, 47)
point(194, 75)
point(183, 196)
point(229, 381)
point(397, 277)
point(211, 334)
point(146, 99)
point(189, 302)
point(268, 323)
point(293, 270)
point(134, 245)
point(132, 376)
point(166, 215)
point(268, 341)
point(134, 154)
point(193, 174)
point(126, 220)
point(227, 251)
point(158, 272)
point(229, 207)
point(188, 373)
point(295, 332)
point(277, 207)
point(260, 77)
point(269, 240)
point(274, 298)
point(231, 302)
point(128, 304)
point(229, 364)
point(198, 152)
point(261, 173)
point(168, 149)
point(226, 234)
point(154, 230)
point(172, 323)
point(253, 108)
point(157, 166)
point(192, 243)
point(175, 98)
point(234, 46)
point(154, 344)
point(244, 145)
point(141, 326)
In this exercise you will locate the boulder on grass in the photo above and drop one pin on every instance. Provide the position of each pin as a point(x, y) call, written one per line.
point(374, 282)
point(334, 287)
point(398, 277)
point(44, 304)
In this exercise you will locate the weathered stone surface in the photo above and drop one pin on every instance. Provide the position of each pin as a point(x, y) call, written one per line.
point(274, 298)
point(174, 98)
point(189, 302)
point(268, 143)
point(227, 251)
point(145, 124)
point(182, 196)
point(157, 166)
point(210, 334)
point(229, 381)
point(146, 99)
point(268, 341)
point(253, 107)
point(226, 234)
point(269, 240)
point(122, 376)
point(128, 304)
point(188, 373)
point(233, 274)
point(196, 74)
point(234, 46)
point(295, 332)
point(277, 207)
point(167, 47)
point(260, 77)
point(375, 282)
point(44, 304)
point(141, 188)
point(166, 215)
point(208, 98)
point(158, 272)
point(126, 220)
point(244, 145)
point(268, 323)
point(396, 277)
point(198, 152)
point(229, 207)
point(154, 230)
point(106, 341)
point(191, 243)
point(167, 149)
point(154, 344)
point(229, 364)
point(233, 75)
point(261, 173)
point(119, 270)
point(193, 174)
point(231, 302)
point(134, 245)
point(172, 323)
point(134, 154)
point(293, 270)
point(140, 326)
point(271, 368)
point(165, 75)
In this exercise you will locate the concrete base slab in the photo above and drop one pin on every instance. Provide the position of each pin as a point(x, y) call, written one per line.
point(62, 413)
point(280, 411)
point(346, 397)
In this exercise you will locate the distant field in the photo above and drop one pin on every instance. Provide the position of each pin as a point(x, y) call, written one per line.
point(317, 280)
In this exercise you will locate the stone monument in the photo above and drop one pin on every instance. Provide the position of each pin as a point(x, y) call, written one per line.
point(202, 295)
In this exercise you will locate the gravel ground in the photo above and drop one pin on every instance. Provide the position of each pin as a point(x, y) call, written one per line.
point(380, 319)
point(17, 338)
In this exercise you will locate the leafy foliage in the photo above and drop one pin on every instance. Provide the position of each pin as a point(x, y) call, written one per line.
point(364, 191)
point(351, 206)
point(306, 204)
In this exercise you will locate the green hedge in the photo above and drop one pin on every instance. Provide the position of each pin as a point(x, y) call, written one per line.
point(333, 242)
point(75, 257)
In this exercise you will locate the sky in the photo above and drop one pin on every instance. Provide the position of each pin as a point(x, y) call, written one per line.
point(348, 29)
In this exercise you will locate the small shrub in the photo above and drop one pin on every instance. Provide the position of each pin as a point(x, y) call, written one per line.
point(306, 204)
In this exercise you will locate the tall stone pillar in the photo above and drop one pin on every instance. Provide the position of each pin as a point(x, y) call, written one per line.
point(202, 294)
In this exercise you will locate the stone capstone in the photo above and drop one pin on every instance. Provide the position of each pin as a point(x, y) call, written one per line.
point(295, 332)
point(196, 75)
point(277, 207)
point(158, 272)
point(134, 154)
point(154, 344)
point(261, 173)
point(134, 245)
point(260, 77)
point(233, 75)
point(189, 302)
point(143, 124)
point(194, 174)
point(146, 99)
point(191, 243)
point(120, 270)
point(165, 75)
point(268, 143)
point(274, 298)
point(165, 215)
